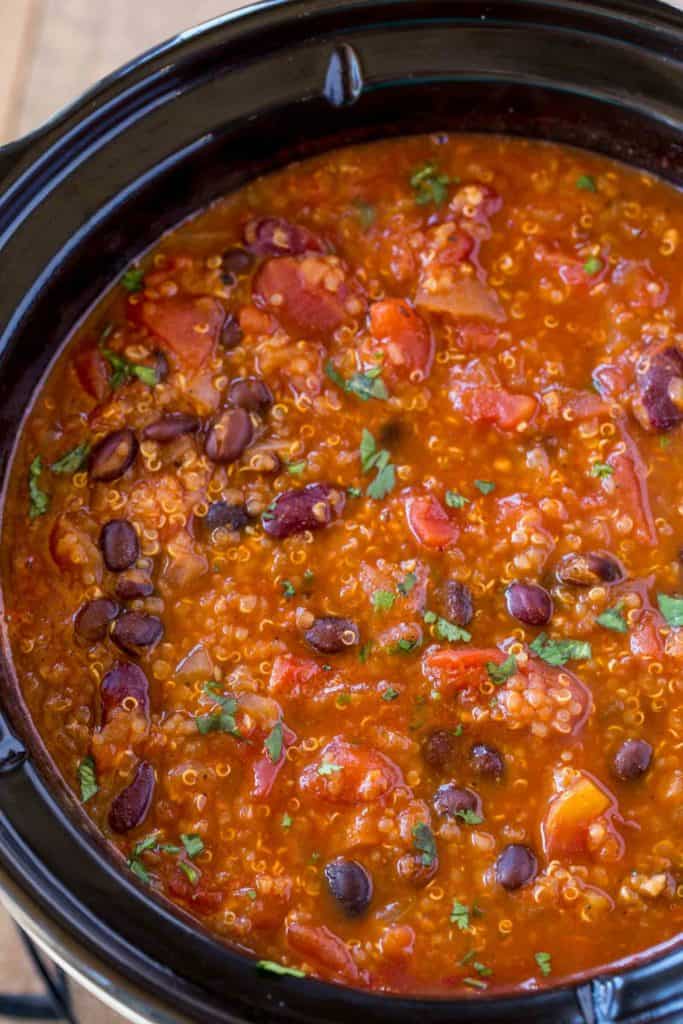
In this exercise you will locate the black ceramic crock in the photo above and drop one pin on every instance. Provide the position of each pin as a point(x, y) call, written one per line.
point(186, 123)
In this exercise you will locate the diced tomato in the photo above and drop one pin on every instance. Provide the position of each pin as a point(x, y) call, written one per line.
point(403, 336)
point(499, 407)
point(290, 675)
point(255, 321)
point(74, 549)
point(188, 328)
point(201, 899)
point(477, 337)
point(430, 522)
point(645, 637)
point(571, 813)
point(266, 770)
point(348, 774)
point(91, 370)
point(451, 669)
point(462, 297)
point(638, 284)
point(632, 494)
point(308, 295)
point(330, 954)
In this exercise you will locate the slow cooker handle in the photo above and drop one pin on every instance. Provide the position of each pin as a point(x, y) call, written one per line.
point(12, 751)
point(10, 156)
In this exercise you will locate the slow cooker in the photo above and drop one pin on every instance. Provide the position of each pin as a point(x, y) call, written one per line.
point(81, 197)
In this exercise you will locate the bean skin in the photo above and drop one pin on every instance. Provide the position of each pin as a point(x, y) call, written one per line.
point(350, 884)
point(224, 514)
point(93, 619)
point(113, 455)
point(231, 333)
point(451, 801)
point(332, 634)
point(134, 631)
point(133, 584)
point(230, 436)
point(530, 603)
point(306, 508)
point(516, 866)
point(170, 426)
point(632, 759)
point(124, 682)
point(589, 570)
point(661, 388)
point(438, 750)
point(234, 263)
point(459, 607)
point(131, 806)
point(119, 545)
point(272, 236)
point(250, 393)
point(487, 760)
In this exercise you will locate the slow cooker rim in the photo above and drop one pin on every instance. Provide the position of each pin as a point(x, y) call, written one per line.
point(32, 149)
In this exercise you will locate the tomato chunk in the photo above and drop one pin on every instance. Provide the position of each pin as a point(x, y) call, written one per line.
point(349, 774)
point(308, 295)
point(570, 815)
point(497, 406)
point(402, 335)
point(188, 328)
point(290, 675)
point(632, 493)
point(325, 949)
point(452, 669)
point(430, 523)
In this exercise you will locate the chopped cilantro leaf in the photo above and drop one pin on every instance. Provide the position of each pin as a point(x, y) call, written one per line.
point(383, 600)
point(296, 468)
point(273, 968)
point(383, 483)
point(469, 817)
point(407, 584)
point(39, 500)
point(482, 970)
point(193, 843)
point(87, 779)
point(455, 500)
point(460, 915)
point(498, 674)
point(368, 451)
point(354, 492)
point(390, 694)
point(251, 893)
point(286, 820)
point(132, 280)
point(364, 653)
point(405, 645)
point(601, 470)
point(364, 384)
point(343, 700)
point(288, 589)
point(222, 720)
point(366, 213)
point(445, 629)
point(586, 183)
point(139, 869)
point(327, 768)
point(613, 618)
point(485, 486)
point(474, 983)
point(559, 652)
point(123, 370)
point(592, 266)
point(148, 843)
point(671, 608)
point(190, 871)
point(273, 743)
point(429, 185)
point(72, 460)
point(544, 962)
point(424, 843)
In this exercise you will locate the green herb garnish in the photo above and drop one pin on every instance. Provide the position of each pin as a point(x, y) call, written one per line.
point(602, 470)
point(586, 183)
point(671, 608)
point(296, 468)
point(273, 968)
point(72, 461)
point(365, 384)
point(485, 486)
point(87, 779)
point(498, 674)
point(407, 584)
point(469, 817)
point(123, 370)
point(592, 266)
point(372, 457)
point(390, 694)
point(544, 962)
point(460, 915)
point(447, 630)
point(193, 843)
point(429, 185)
point(424, 843)
point(39, 500)
point(288, 590)
point(455, 500)
point(222, 720)
point(559, 652)
point(612, 618)
point(139, 869)
point(286, 820)
point(190, 871)
point(383, 600)
point(273, 743)
point(367, 213)
point(327, 768)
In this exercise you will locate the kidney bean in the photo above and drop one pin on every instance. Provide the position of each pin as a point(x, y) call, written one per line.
point(589, 570)
point(451, 800)
point(130, 807)
point(161, 367)
point(271, 236)
point(223, 514)
point(486, 760)
point(438, 750)
point(661, 388)
point(516, 866)
point(113, 455)
point(133, 584)
point(231, 333)
point(332, 634)
point(235, 262)
point(530, 603)
point(135, 630)
point(632, 759)
point(350, 884)
point(306, 508)
point(229, 436)
point(124, 682)
point(459, 606)
point(250, 393)
point(93, 618)
point(119, 544)
point(170, 426)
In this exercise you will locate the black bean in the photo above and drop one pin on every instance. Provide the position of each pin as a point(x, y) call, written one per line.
point(250, 393)
point(350, 884)
point(453, 801)
point(459, 606)
point(438, 749)
point(170, 426)
point(124, 685)
point(307, 508)
point(590, 569)
point(134, 631)
point(161, 367)
point(133, 584)
point(271, 236)
point(530, 603)
point(632, 759)
point(93, 618)
point(229, 436)
point(231, 333)
point(487, 760)
point(130, 807)
point(332, 634)
point(235, 262)
point(113, 455)
point(119, 544)
point(516, 866)
point(224, 515)
point(661, 388)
